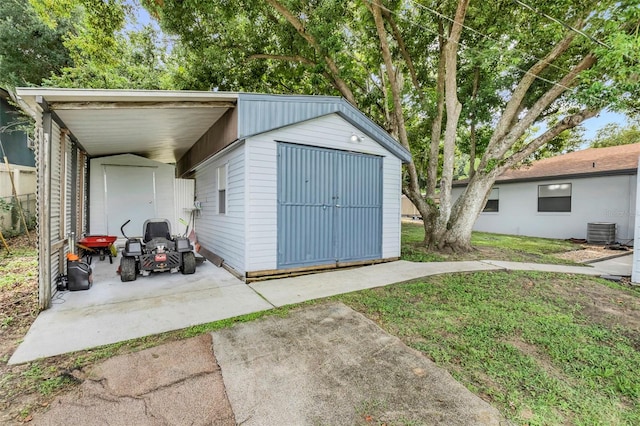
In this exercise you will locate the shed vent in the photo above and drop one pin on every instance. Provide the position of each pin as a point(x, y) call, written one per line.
point(601, 233)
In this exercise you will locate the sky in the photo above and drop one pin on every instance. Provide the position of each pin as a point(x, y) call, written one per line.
point(594, 124)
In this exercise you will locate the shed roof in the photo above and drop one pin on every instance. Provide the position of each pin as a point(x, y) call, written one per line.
point(613, 160)
point(163, 125)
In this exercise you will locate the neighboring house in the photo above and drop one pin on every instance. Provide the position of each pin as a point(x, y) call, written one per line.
point(275, 184)
point(21, 165)
point(558, 197)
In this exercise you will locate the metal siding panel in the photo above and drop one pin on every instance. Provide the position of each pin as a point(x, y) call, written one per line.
point(260, 113)
point(359, 217)
point(56, 201)
point(329, 206)
point(305, 215)
point(223, 234)
point(68, 192)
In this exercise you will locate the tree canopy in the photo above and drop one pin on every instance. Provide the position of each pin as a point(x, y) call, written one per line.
point(452, 80)
point(443, 76)
point(614, 134)
point(30, 50)
point(79, 43)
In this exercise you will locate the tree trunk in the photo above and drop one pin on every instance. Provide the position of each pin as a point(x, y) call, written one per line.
point(453, 109)
point(472, 131)
point(464, 213)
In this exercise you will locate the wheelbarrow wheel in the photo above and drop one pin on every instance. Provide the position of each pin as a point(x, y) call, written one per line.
point(128, 269)
point(188, 263)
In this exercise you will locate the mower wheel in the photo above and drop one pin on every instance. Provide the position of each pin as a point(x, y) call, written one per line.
point(188, 263)
point(128, 269)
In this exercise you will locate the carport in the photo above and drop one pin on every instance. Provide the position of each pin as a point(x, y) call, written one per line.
point(284, 184)
point(74, 125)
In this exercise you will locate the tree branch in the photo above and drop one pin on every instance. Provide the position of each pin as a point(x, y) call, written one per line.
point(436, 125)
point(288, 58)
point(514, 105)
point(403, 50)
point(541, 104)
point(333, 68)
point(566, 123)
point(453, 110)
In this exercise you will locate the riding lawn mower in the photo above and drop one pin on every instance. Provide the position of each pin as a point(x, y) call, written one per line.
point(158, 251)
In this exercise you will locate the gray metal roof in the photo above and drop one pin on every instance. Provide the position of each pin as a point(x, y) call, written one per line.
point(259, 113)
point(163, 125)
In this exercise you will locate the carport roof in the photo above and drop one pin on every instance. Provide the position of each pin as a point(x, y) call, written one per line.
point(165, 124)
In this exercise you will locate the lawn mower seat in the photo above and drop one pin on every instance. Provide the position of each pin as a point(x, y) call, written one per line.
point(156, 228)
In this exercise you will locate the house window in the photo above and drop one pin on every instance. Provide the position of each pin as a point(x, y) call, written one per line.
point(222, 189)
point(493, 202)
point(554, 198)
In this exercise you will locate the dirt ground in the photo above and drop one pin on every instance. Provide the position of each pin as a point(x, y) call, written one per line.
point(587, 253)
point(30, 388)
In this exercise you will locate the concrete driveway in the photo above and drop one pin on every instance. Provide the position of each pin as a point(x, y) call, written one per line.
point(113, 311)
point(321, 365)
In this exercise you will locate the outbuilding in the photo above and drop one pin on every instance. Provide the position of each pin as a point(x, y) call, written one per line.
point(272, 184)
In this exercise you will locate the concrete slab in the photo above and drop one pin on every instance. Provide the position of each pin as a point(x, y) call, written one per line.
point(155, 386)
point(330, 365)
point(565, 269)
point(309, 287)
point(112, 311)
point(620, 266)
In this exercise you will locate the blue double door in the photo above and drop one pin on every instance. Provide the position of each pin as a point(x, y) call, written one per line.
point(329, 206)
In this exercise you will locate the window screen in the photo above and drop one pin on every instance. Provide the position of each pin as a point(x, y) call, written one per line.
point(222, 189)
point(493, 203)
point(554, 198)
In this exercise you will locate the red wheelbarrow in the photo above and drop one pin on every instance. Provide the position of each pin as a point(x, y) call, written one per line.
point(97, 244)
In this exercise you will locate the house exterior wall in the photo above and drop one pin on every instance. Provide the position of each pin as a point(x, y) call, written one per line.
point(14, 141)
point(593, 199)
point(329, 131)
point(223, 234)
point(164, 188)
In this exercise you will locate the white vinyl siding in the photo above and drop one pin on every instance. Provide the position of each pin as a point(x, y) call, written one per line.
point(184, 190)
point(223, 234)
point(391, 206)
point(330, 131)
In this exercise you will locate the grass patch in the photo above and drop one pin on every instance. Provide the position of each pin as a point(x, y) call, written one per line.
point(488, 246)
point(529, 343)
point(13, 267)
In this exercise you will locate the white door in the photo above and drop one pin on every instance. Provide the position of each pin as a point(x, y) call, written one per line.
point(130, 195)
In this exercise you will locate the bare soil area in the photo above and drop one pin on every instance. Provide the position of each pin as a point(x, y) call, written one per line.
point(586, 253)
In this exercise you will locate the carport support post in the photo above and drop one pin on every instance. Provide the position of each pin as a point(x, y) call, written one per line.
point(44, 210)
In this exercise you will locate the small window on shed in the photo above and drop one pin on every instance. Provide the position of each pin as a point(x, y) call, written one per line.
point(554, 198)
point(222, 189)
point(493, 202)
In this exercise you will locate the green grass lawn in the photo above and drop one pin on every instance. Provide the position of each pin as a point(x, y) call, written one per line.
point(542, 348)
point(488, 246)
point(532, 344)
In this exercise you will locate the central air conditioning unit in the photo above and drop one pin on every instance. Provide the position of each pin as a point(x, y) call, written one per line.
point(601, 233)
